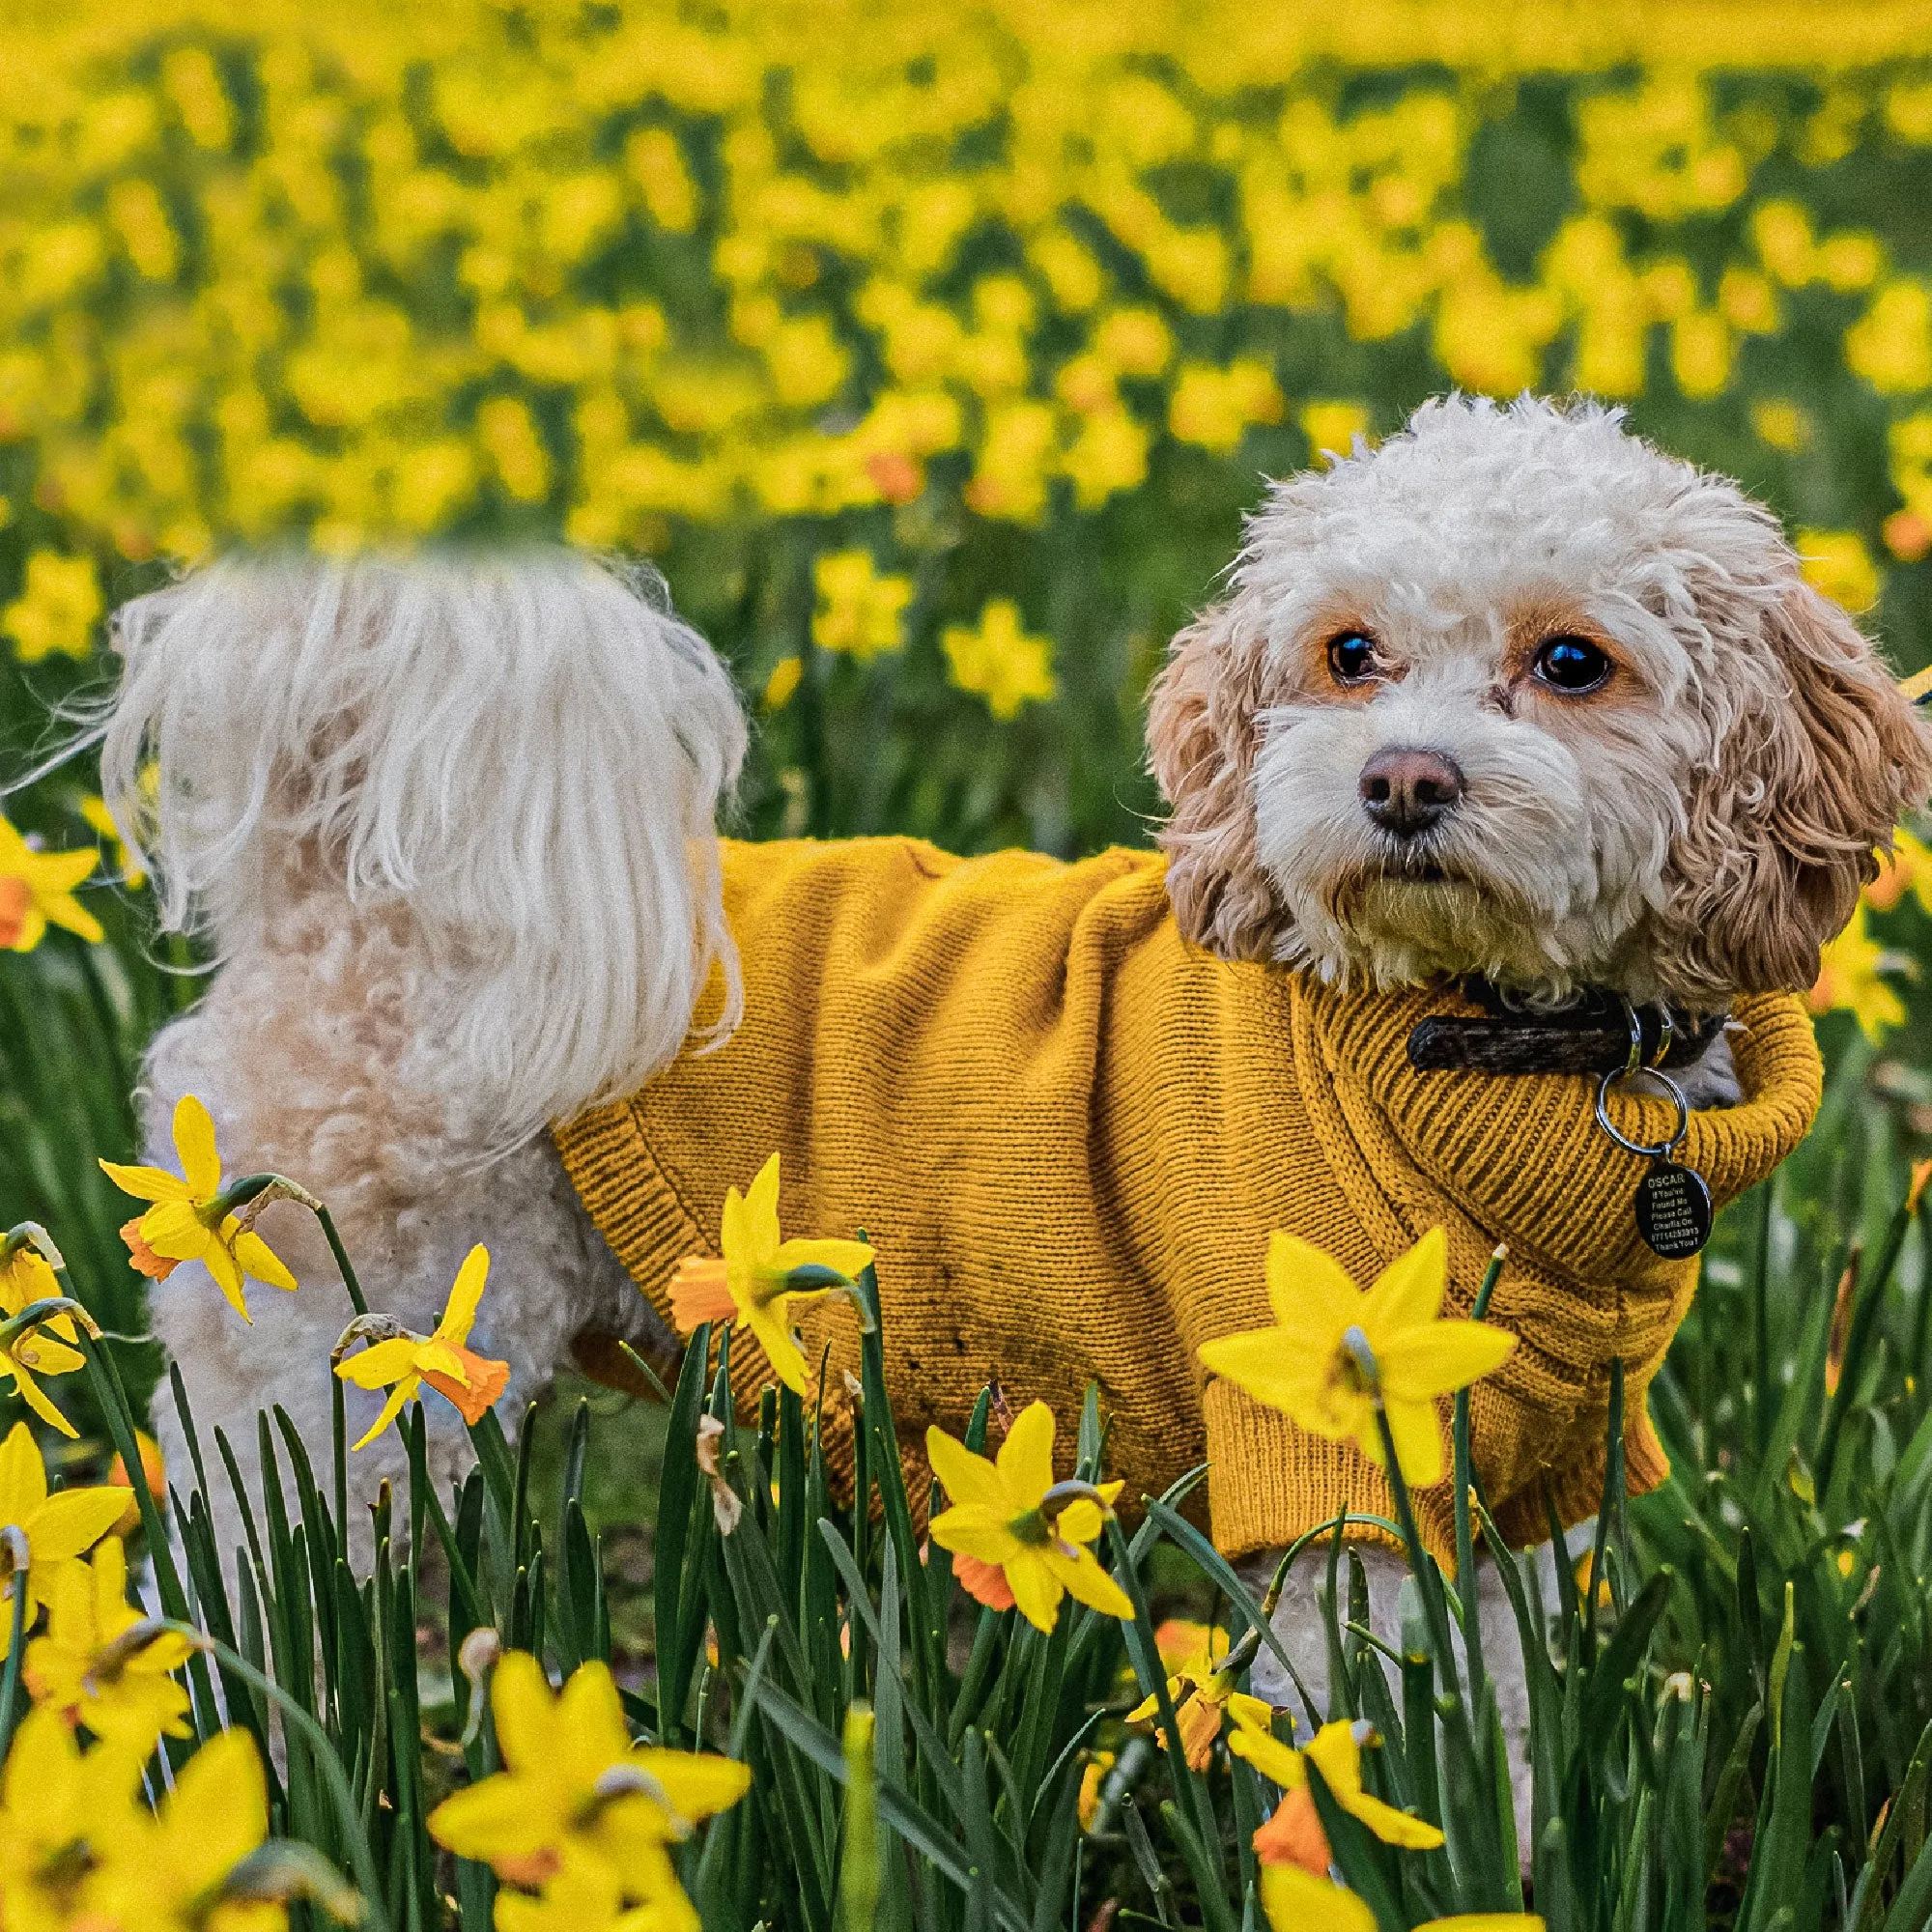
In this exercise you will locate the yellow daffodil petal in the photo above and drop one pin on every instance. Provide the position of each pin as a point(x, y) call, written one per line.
point(37, 1398)
point(380, 1364)
point(780, 1350)
point(966, 1478)
point(1081, 1521)
point(1259, 1363)
point(492, 1819)
point(145, 1183)
point(171, 1228)
point(1418, 1441)
point(222, 1790)
point(1037, 1590)
point(1297, 1901)
point(1025, 1460)
point(970, 1529)
point(848, 1257)
point(1245, 1709)
point(1442, 1357)
point(49, 1357)
point(1393, 1827)
point(23, 1477)
point(524, 1710)
point(590, 1713)
point(73, 917)
point(1304, 1281)
point(762, 1212)
point(391, 1408)
point(1090, 1583)
point(221, 1262)
point(261, 1262)
point(698, 1783)
point(1409, 1290)
point(467, 1291)
point(735, 1234)
point(73, 1521)
point(194, 1144)
point(1267, 1753)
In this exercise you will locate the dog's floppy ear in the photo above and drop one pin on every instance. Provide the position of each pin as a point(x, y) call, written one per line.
point(1807, 783)
point(1202, 736)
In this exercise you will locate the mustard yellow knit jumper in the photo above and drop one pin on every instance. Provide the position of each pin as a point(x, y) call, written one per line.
point(1068, 1132)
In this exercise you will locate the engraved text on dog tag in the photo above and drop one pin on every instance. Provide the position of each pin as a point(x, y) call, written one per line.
point(1673, 1210)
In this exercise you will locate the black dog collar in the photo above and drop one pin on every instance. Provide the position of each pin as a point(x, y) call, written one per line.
point(1591, 1036)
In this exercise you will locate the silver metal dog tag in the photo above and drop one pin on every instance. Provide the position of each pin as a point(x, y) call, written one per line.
point(1673, 1210)
point(1673, 1205)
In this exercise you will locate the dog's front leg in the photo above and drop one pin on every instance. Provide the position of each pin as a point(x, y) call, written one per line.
point(1298, 1623)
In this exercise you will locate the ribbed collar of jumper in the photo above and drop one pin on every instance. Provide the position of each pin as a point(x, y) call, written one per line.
point(1524, 1157)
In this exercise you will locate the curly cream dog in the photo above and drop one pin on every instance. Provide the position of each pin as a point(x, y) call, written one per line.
point(1514, 694)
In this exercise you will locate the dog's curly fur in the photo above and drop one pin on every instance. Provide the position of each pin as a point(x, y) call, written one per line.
point(448, 824)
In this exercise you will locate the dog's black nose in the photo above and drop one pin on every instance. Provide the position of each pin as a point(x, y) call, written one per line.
point(1405, 790)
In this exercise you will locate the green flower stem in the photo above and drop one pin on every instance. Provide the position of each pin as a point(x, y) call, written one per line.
point(338, 1437)
point(1187, 1786)
point(255, 1191)
point(1466, 1541)
point(316, 1739)
point(20, 1557)
point(112, 1398)
point(1869, 1293)
point(1452, 1704)
point(342, 1261)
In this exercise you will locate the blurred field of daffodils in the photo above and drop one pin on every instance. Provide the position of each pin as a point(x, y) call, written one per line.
point(933, 351)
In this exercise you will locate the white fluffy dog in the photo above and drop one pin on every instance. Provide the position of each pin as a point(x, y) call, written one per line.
point(1512, 695)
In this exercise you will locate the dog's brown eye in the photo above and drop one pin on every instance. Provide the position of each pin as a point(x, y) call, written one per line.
point(1351, 656)
point(1571, 664)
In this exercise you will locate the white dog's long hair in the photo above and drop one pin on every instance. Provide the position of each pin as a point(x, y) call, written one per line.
point(521, 755)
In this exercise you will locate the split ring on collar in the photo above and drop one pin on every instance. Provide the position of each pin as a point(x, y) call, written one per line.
point(1665, 1148)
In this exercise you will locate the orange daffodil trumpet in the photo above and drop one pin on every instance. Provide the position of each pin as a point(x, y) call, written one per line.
point(191, 1219)
point(402, 1362)
point(760, 1279)
point(42, 1347)
point(1017, 1537)
point(1336, 1354)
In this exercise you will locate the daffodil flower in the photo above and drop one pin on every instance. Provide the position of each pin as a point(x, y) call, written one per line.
point(58, 1528)
point(403, 1362)
point(760, 1279)
point(191, 1219)
point(1016, 1536)
point(1202, 1691)
point(1337, 1354)
point(101, 1663)
point(26, 1277)
point(1294, 1835)
point(37, 891)
point(577, 1795)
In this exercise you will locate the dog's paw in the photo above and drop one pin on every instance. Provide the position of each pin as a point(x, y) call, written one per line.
point(1712, 1079)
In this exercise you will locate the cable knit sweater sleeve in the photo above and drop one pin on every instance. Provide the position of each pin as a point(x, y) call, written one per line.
point(1068, 1134)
